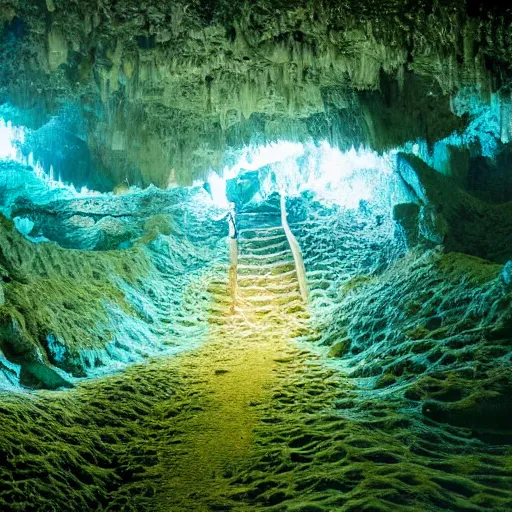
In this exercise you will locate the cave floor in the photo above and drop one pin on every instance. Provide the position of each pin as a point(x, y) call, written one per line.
point(253, 419)
point(227, 380)
point(174, 434)
point(253, 325)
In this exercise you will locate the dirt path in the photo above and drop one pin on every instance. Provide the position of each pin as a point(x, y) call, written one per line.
point(229, 377)
point(255, 316)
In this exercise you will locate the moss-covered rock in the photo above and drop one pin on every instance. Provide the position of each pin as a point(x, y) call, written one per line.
point(340, 348)
point(80, 310)
point(39, 376)
point(449, 214)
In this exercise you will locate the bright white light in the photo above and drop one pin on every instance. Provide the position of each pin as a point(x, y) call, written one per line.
point(346, 178)
point(218, 188)
point(10, 140)
point(252, 159)
point(343, 178)
point(256, 158)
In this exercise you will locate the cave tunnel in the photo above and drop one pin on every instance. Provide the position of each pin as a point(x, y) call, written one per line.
point(255, 256)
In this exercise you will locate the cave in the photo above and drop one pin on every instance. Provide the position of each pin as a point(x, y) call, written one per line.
point(255, 256)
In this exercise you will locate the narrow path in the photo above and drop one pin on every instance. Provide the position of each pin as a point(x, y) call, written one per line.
point(254, 317)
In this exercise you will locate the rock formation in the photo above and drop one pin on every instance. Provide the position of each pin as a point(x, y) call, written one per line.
point(255, 256)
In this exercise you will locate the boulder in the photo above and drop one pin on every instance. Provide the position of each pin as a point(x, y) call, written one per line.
point(432, 225)
point(451, 215)
point(340, 349)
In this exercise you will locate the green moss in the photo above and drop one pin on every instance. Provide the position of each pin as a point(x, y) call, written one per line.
point(37, 375)
point(385, 380)
point(67, 294)
point(417, 333)
point(464, 267)
point(413, 307)
point(72, 450)
point(340, 348)
point(160, 224)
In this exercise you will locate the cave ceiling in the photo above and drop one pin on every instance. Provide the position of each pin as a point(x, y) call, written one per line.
point(156, 92)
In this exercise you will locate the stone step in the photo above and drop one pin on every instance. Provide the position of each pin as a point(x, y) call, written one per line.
point(288, 309)
point(254, 288)
point(263, 239)
point(283, 255)
point(261, 232)
point(249, 288)
point(288, 276)
point(269, 218)
point(268, 269)
point(263, 246)
point(276, 299)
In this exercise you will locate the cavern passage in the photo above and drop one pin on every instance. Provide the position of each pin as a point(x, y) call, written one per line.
point(255, 256)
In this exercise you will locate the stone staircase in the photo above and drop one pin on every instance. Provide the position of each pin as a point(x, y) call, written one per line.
point(267, 286)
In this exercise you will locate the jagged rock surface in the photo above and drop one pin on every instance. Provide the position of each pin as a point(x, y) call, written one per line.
point(388, 390)
point(156, 92)
point(86, 312)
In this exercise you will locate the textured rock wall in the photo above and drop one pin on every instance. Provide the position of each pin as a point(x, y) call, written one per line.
point(450, 215)
point(74, 313)
point(162, 90)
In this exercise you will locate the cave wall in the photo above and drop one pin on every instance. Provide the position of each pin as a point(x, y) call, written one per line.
point(81, 305)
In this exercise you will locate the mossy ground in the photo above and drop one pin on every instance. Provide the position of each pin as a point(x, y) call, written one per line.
point(251, 421)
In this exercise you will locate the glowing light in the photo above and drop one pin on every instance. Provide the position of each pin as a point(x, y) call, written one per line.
point(256, 158)
point(218, 188)
point(343, 178)
point(347, 178)
point(11, 139)
point(252, 158)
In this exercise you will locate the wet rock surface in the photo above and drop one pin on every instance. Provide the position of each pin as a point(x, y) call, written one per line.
point(155, 93)
point(389, 391)
point(113, 222)
point(83, 312)
point(316, 436)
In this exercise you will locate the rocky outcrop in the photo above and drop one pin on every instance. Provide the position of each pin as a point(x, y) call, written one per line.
point(395, 396)
point(110, 222)
point(451, 216)
point(427, 327)
point(71, 314)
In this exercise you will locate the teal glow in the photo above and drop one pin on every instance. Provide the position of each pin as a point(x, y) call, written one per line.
point(11, 141)
point(11, 138)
